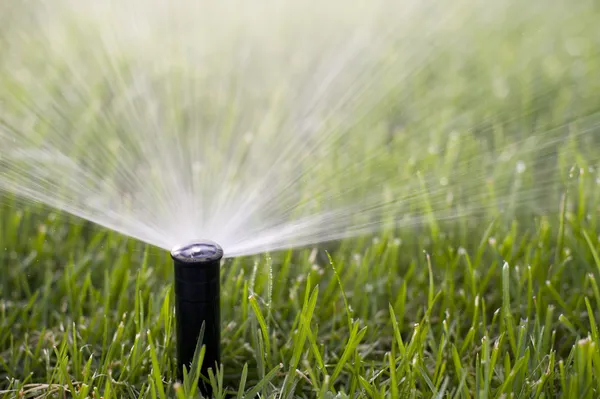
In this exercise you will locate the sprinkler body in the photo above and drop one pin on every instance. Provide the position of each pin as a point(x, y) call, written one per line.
point(197, 301)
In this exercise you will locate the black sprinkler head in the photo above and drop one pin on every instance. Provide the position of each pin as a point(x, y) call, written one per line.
point(197, 301)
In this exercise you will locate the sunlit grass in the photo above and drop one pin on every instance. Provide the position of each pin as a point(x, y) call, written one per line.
point(486, 288)
point(484, 307)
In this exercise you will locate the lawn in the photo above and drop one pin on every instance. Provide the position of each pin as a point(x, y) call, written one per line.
point(487, 287)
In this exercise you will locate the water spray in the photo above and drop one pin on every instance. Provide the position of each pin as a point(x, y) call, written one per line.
point(197, 301)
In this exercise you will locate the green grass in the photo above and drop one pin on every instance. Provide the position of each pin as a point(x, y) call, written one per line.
point(477, 310)
point(499, 302)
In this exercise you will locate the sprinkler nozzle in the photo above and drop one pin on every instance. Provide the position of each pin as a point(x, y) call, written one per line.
point(197, 301)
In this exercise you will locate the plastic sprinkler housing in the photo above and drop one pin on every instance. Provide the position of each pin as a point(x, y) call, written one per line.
point(198, 301)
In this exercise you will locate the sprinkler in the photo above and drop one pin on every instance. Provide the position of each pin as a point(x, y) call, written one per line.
point(197, 301)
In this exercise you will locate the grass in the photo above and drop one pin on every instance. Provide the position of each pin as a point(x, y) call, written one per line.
point(505, 310)
point(501, 301)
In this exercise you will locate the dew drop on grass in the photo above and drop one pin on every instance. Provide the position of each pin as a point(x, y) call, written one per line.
point(583, 341)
